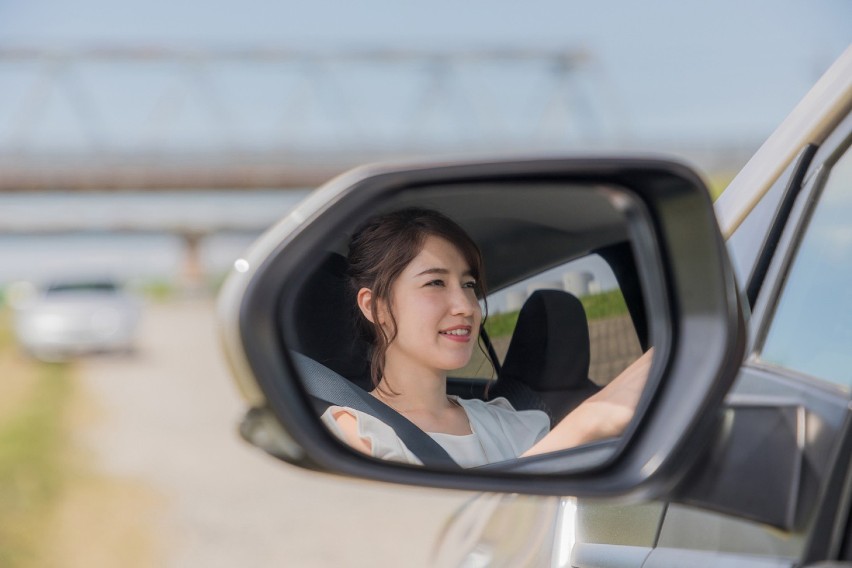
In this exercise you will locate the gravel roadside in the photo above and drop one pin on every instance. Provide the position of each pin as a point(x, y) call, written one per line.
point(167, 421)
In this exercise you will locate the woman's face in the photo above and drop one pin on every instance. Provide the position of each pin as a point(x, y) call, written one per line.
point(436, 311)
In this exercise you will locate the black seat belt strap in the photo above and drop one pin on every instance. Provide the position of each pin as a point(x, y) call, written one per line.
point(327, 385)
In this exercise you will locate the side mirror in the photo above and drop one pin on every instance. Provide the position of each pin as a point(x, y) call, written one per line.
point(283, 314)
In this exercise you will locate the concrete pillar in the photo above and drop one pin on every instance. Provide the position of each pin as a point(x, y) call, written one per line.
point(192, 272)
point(542, 285)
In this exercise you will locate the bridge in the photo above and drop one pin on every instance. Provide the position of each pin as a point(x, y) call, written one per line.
point(143, 119)
point(153, 118)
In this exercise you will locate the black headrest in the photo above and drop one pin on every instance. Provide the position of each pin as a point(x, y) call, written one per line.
point(550, 345)
point(325, 322)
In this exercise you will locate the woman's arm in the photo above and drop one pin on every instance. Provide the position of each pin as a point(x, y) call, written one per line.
point(602, 415)
point(348, 425)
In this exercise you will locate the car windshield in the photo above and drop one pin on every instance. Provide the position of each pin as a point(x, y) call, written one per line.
point(65, 287)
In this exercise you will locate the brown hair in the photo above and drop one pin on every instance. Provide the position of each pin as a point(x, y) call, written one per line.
point(381, 249)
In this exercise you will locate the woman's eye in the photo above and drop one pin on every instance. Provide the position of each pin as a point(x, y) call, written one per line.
point(435, 283)
point(471, 284)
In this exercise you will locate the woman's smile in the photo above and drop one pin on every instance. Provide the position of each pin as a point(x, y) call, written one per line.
point(459, 333)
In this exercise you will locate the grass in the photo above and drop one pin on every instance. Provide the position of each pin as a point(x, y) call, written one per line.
point(605, 305)
point(158, 290)
point(597, 306)
point(31, 445)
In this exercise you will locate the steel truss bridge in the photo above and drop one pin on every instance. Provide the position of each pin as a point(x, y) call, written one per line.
point(152, 118)
point(155, 118)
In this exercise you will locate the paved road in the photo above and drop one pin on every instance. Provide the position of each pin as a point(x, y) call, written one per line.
point(169, 421)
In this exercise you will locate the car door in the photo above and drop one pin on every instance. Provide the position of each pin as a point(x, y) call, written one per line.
point(799, 282)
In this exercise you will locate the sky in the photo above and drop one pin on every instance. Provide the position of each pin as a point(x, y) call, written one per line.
point(681, 68)
point(722, 71)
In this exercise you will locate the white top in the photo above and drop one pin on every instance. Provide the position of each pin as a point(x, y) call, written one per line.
point(499, 433)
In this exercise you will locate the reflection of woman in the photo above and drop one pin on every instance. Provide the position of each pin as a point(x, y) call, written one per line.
point(418, 279)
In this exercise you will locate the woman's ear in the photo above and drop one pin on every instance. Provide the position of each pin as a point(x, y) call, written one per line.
point(365, 303)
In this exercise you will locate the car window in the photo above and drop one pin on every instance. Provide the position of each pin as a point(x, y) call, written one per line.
point(614, 343)
point(102, 287)
point(810, 331)
point(745, 244)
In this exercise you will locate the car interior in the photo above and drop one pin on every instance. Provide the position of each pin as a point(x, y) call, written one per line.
point(546, 366)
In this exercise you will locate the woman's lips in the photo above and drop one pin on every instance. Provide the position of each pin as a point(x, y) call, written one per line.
point(459, 333)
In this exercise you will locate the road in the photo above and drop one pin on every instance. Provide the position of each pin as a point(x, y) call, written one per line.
point(167, 420)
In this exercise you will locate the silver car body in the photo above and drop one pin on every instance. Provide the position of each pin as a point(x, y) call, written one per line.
point(516, 530)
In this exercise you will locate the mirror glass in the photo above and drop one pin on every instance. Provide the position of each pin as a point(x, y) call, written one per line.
point(477, 325)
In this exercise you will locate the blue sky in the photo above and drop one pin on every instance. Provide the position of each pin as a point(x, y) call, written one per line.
point(684, 68)
point(690, 70)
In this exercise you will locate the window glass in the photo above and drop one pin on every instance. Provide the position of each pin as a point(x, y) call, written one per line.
point(745, 244)
point(614, 343)
point(812, 327)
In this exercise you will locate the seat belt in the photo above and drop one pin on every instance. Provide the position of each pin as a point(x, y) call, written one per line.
point(324, 384)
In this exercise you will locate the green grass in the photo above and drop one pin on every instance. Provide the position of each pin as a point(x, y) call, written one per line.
point(605, 305)
point(597, 306)
point(31, 472)
point(501, 325)
point(158, 290)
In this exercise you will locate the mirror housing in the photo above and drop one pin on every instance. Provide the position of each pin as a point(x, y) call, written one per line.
point(694, 314)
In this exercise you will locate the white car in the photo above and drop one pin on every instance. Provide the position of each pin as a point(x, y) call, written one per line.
point(740, 449)
point(68, 318)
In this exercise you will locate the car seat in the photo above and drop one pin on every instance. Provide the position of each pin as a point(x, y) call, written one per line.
point(324, 321)
point(547, 364)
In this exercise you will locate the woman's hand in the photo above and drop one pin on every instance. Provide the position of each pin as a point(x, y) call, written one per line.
point(603, 415)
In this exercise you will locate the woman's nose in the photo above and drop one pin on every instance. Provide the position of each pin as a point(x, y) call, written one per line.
point(464, 302)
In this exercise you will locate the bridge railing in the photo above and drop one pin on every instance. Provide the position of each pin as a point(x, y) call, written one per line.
point(158, 117)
